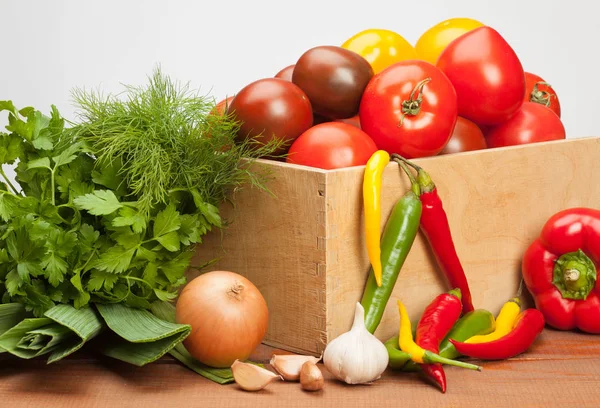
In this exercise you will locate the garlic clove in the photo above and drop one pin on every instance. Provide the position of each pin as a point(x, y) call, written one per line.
point(251, 377)
point(311, 378)
point(289, 366)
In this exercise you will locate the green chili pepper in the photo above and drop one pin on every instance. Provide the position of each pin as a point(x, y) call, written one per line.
point(397, 357)
point(477, 322)
point(474, 323)
point(396, 241)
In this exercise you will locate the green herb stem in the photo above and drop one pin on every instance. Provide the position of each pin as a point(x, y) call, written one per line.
point(12, 187)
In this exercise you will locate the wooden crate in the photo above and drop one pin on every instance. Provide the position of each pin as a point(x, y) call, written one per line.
point(304, 248)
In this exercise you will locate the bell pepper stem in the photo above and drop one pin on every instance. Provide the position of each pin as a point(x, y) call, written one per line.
point(430, 358)
point(574, 275)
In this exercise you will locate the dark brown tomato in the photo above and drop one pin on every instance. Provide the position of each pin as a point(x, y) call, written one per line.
point(272, 108)
point(334, 80)
point(318, 119)
point(286, 73)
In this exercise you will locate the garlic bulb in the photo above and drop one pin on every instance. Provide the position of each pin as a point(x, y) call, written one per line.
point(356, 357)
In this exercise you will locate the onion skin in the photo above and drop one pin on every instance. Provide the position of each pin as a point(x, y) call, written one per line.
point(228, 315)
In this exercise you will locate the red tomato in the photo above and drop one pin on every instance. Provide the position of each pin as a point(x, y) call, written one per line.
point(221, 107)
point(487, 75)
point(286, 73)
point(404, 114)
point(466, 137)
point(332, 145)
point(354, 121)
point(271, 108)
point(539, 91)
point(532, 123)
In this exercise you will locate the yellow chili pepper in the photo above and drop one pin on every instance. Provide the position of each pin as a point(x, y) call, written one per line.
point(417, 353)
point(372, 203)
point(406, 341)
point(504, 322)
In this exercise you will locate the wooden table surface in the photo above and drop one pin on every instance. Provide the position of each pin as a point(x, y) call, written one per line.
point(561, 369)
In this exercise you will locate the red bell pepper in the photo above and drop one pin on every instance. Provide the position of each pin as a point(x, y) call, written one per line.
point(560, 269)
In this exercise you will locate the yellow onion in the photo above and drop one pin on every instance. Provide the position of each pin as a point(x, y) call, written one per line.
point(228, 315)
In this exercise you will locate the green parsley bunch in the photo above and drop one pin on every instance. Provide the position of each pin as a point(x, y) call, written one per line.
point(109, 210)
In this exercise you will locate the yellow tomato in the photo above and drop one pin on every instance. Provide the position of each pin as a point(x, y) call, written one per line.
point(381, 48)
point(436, 39)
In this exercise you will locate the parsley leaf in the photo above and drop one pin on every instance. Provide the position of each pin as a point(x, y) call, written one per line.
point(55, 268)
point(191, 229)
point(166, 221)
point(68, 155)
point(115, 259)
point(175, 268)
point(41, 163)
point(130, 217)
point(11, 147)
point(101, 279)
point(8, 205)
point(9, 106)
point(164, 295)
point(211, 213)
point(101, 202)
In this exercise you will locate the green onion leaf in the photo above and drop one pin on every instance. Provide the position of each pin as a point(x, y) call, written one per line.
point(142, 337)
point(63, 331)
point(84, 323)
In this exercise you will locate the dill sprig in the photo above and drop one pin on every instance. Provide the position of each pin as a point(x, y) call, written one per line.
point(166, 139)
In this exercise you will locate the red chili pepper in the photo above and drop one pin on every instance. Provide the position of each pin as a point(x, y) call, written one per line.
point(435, 227)
point(528, 325)
point(436, 322)
point(560, 269)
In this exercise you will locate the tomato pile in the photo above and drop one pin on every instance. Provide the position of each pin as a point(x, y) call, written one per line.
point(460, 88)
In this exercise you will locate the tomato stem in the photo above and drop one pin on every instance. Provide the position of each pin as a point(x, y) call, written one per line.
point(412, 106)
point(541, 97)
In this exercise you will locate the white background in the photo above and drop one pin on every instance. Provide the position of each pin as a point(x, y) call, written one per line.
point(49, 47)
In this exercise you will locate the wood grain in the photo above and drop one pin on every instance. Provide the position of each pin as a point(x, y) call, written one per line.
point(497, 201)
point(305, 250)
point(278, 240)
point(560, 369)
